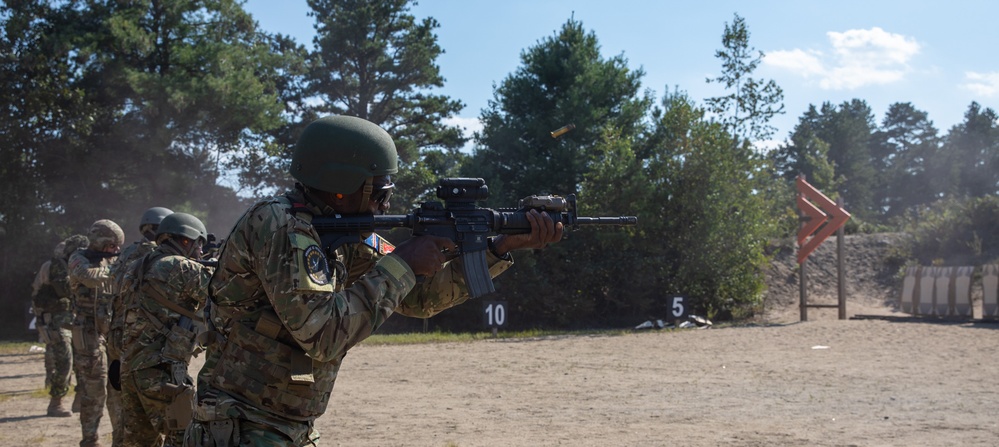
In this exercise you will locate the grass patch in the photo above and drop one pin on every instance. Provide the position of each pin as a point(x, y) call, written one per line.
point(17, 347)
point(466, 337)
point(413, 338)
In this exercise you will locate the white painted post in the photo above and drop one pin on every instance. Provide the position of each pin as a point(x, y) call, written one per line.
point(962, 291)
point(926, 286)
point(990, 289)
point(908, 289)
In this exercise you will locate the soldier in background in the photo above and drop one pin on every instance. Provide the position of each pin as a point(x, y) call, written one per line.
point(286, 312)
point(51, 303)
point(163, 291)
point(41, 282)
point(90, 283)
point(148, 224)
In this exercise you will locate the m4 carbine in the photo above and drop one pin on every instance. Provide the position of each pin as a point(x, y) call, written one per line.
point(460, 220)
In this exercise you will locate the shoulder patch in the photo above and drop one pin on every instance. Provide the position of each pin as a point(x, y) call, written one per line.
point(316, 266)
point(382, 246)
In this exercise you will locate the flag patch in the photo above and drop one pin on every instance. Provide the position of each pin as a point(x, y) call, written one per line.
point(382, 246)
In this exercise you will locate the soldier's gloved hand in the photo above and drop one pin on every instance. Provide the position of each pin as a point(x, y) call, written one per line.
point(426, 255)
point(544, 231)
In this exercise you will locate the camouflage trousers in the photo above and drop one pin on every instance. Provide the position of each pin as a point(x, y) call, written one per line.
point(90, 366)
point(146, 398)
point(217, 423)
point(114, 396)
point(58, 352)
point(238, 433)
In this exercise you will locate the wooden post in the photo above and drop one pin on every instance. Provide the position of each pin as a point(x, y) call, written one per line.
point(841, 279)
point(803, 289)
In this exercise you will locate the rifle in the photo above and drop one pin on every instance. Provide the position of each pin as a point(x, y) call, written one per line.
point(95, 256)
point(460, 220)
point(211, 247)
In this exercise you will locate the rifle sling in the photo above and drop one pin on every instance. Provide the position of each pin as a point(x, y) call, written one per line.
point(162, 300)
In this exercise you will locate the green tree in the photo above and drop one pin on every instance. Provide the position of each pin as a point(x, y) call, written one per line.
point(903, 147)
point(846, 135)
point(112, 107)
point(171, 87)
point(36, 103)
point(971, 154)
point(712, 203)
point(374, 60)
point(746, 111)
point(562, 80)
point(849, 130)
point(806, 154)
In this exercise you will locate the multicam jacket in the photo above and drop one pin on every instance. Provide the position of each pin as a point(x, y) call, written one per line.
point(288, 312)
point(50, 290)
point(90, 283)
point(159, 289)
point(120, 267)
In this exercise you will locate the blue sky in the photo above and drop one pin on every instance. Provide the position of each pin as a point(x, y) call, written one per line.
point(940, 56)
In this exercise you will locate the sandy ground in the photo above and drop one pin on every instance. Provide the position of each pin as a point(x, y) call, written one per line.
point(824, 382)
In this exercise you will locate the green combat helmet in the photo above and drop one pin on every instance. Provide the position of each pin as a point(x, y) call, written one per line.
point(337, 154)
point(105, 232)
point(151, 219)
point(154, 215)
point(183, 224)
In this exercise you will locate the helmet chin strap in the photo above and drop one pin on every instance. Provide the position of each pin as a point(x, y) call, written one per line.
point(367, 188)
point(179, 247)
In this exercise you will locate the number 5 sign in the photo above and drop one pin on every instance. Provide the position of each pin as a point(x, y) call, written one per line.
point(678, 308)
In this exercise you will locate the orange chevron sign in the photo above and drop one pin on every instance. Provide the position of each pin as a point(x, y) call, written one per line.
point(826, 215)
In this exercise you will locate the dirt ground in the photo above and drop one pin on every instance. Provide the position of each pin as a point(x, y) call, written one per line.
point(822, 382)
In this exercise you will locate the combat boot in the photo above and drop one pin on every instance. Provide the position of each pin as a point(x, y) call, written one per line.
point(56, 410)
point(90, 442)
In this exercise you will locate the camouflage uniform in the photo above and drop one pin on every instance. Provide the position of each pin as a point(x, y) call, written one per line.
point(285, 319)
point(52, 305)
point(90, 283)
point(162, 292)
point(114, 339)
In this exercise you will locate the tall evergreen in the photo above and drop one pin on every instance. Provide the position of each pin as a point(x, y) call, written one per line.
point(971, 153)
point(562, 80)
point(112, 107)
point(903, 148)
point(746, 111)
point(375, 60)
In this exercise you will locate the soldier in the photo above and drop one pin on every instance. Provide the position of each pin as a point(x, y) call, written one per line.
point(49, 297)
point(90, 283)
point(286, 313)
point(162, 291)
point(148, 224)
point(52, 305)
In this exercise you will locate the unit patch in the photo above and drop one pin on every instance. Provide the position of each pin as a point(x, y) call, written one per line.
point(380, 244)
point(316, 266)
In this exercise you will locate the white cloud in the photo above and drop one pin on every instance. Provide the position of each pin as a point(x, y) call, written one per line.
point(874, 47)
point(806, 64)
point(984, 84)
point(858, 58)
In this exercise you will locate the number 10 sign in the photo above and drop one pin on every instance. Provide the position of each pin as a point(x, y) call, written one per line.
point(494, 313)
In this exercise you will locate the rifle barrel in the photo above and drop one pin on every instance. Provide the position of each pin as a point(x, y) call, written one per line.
point(620, 220)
